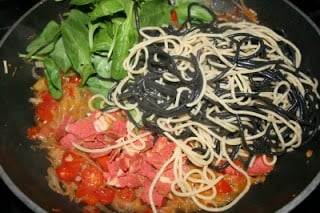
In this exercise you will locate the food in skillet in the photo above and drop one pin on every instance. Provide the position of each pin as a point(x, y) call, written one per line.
point(184, 116)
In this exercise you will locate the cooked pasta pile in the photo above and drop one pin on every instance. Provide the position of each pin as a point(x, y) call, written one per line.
point(231, 91)
point(219, 96)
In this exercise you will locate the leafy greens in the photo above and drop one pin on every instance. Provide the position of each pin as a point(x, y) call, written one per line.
point(96, 36)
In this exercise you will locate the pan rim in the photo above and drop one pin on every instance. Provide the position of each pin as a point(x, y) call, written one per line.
point(38, 209)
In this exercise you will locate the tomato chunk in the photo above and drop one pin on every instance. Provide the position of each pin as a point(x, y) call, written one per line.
point(86, 195)
point(44, 109)
point(75, 79)
point(223, 186)
point(92, 178)
point(70, 166)
point(126, 194)
point(105, 195)
point(68, 171)
point(72, 157)
point(32, 132)
point(174, 18)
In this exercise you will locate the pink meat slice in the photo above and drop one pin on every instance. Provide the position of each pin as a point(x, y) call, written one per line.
point(85, 127)
point(259, 168)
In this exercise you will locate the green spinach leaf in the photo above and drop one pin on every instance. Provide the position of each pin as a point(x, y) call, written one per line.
point(60, 57)
point(46, 37)
point(155, 13)
point(106, 8)
point(76, 43)
point(52, 73)
point(99, 86)
point(125, 38)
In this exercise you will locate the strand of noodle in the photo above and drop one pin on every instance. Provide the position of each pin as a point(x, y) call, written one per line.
point(267, 32)
point(233, 202)
point(190, 185)
point(185, 181)
point(202, 92)
point(268, 162)
point(93, 98)
point(118, 91)
point(132, 64)
point(313, 82)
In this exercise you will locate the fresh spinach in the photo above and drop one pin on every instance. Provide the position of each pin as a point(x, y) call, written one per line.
point(74, 32)
point(102, 39)
point(60, 56)
point(155, 13)
point(44, 43)
point(125, 38)
point(106, 8)
point(95, 38)
point(54, 79)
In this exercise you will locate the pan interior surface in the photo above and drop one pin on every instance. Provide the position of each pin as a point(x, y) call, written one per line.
point(23, 168)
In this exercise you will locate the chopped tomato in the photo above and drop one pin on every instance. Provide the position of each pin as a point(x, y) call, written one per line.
point(103, 163)
point(45, 107)
point(126, 194)
point(75, 79)
point(86, 195)
point(70, 166)
point(92, 178)
point(223, 186)
point(68, 171)
point(174, 18)
point(32, 132)
point(105, 195)
point(70, 156)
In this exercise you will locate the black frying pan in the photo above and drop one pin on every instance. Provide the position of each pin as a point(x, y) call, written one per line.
point(24, 169)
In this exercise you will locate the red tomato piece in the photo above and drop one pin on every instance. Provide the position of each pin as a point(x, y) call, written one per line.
point(86, 195)
point(71, 156)
point(223, 187)
point(32, 132)
point(70, 166)
point(92, 178)
point(105, 195)
point(174, 18)
point(75, 79)
point(126, 194)
point(68, 171)
point(44, 109)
